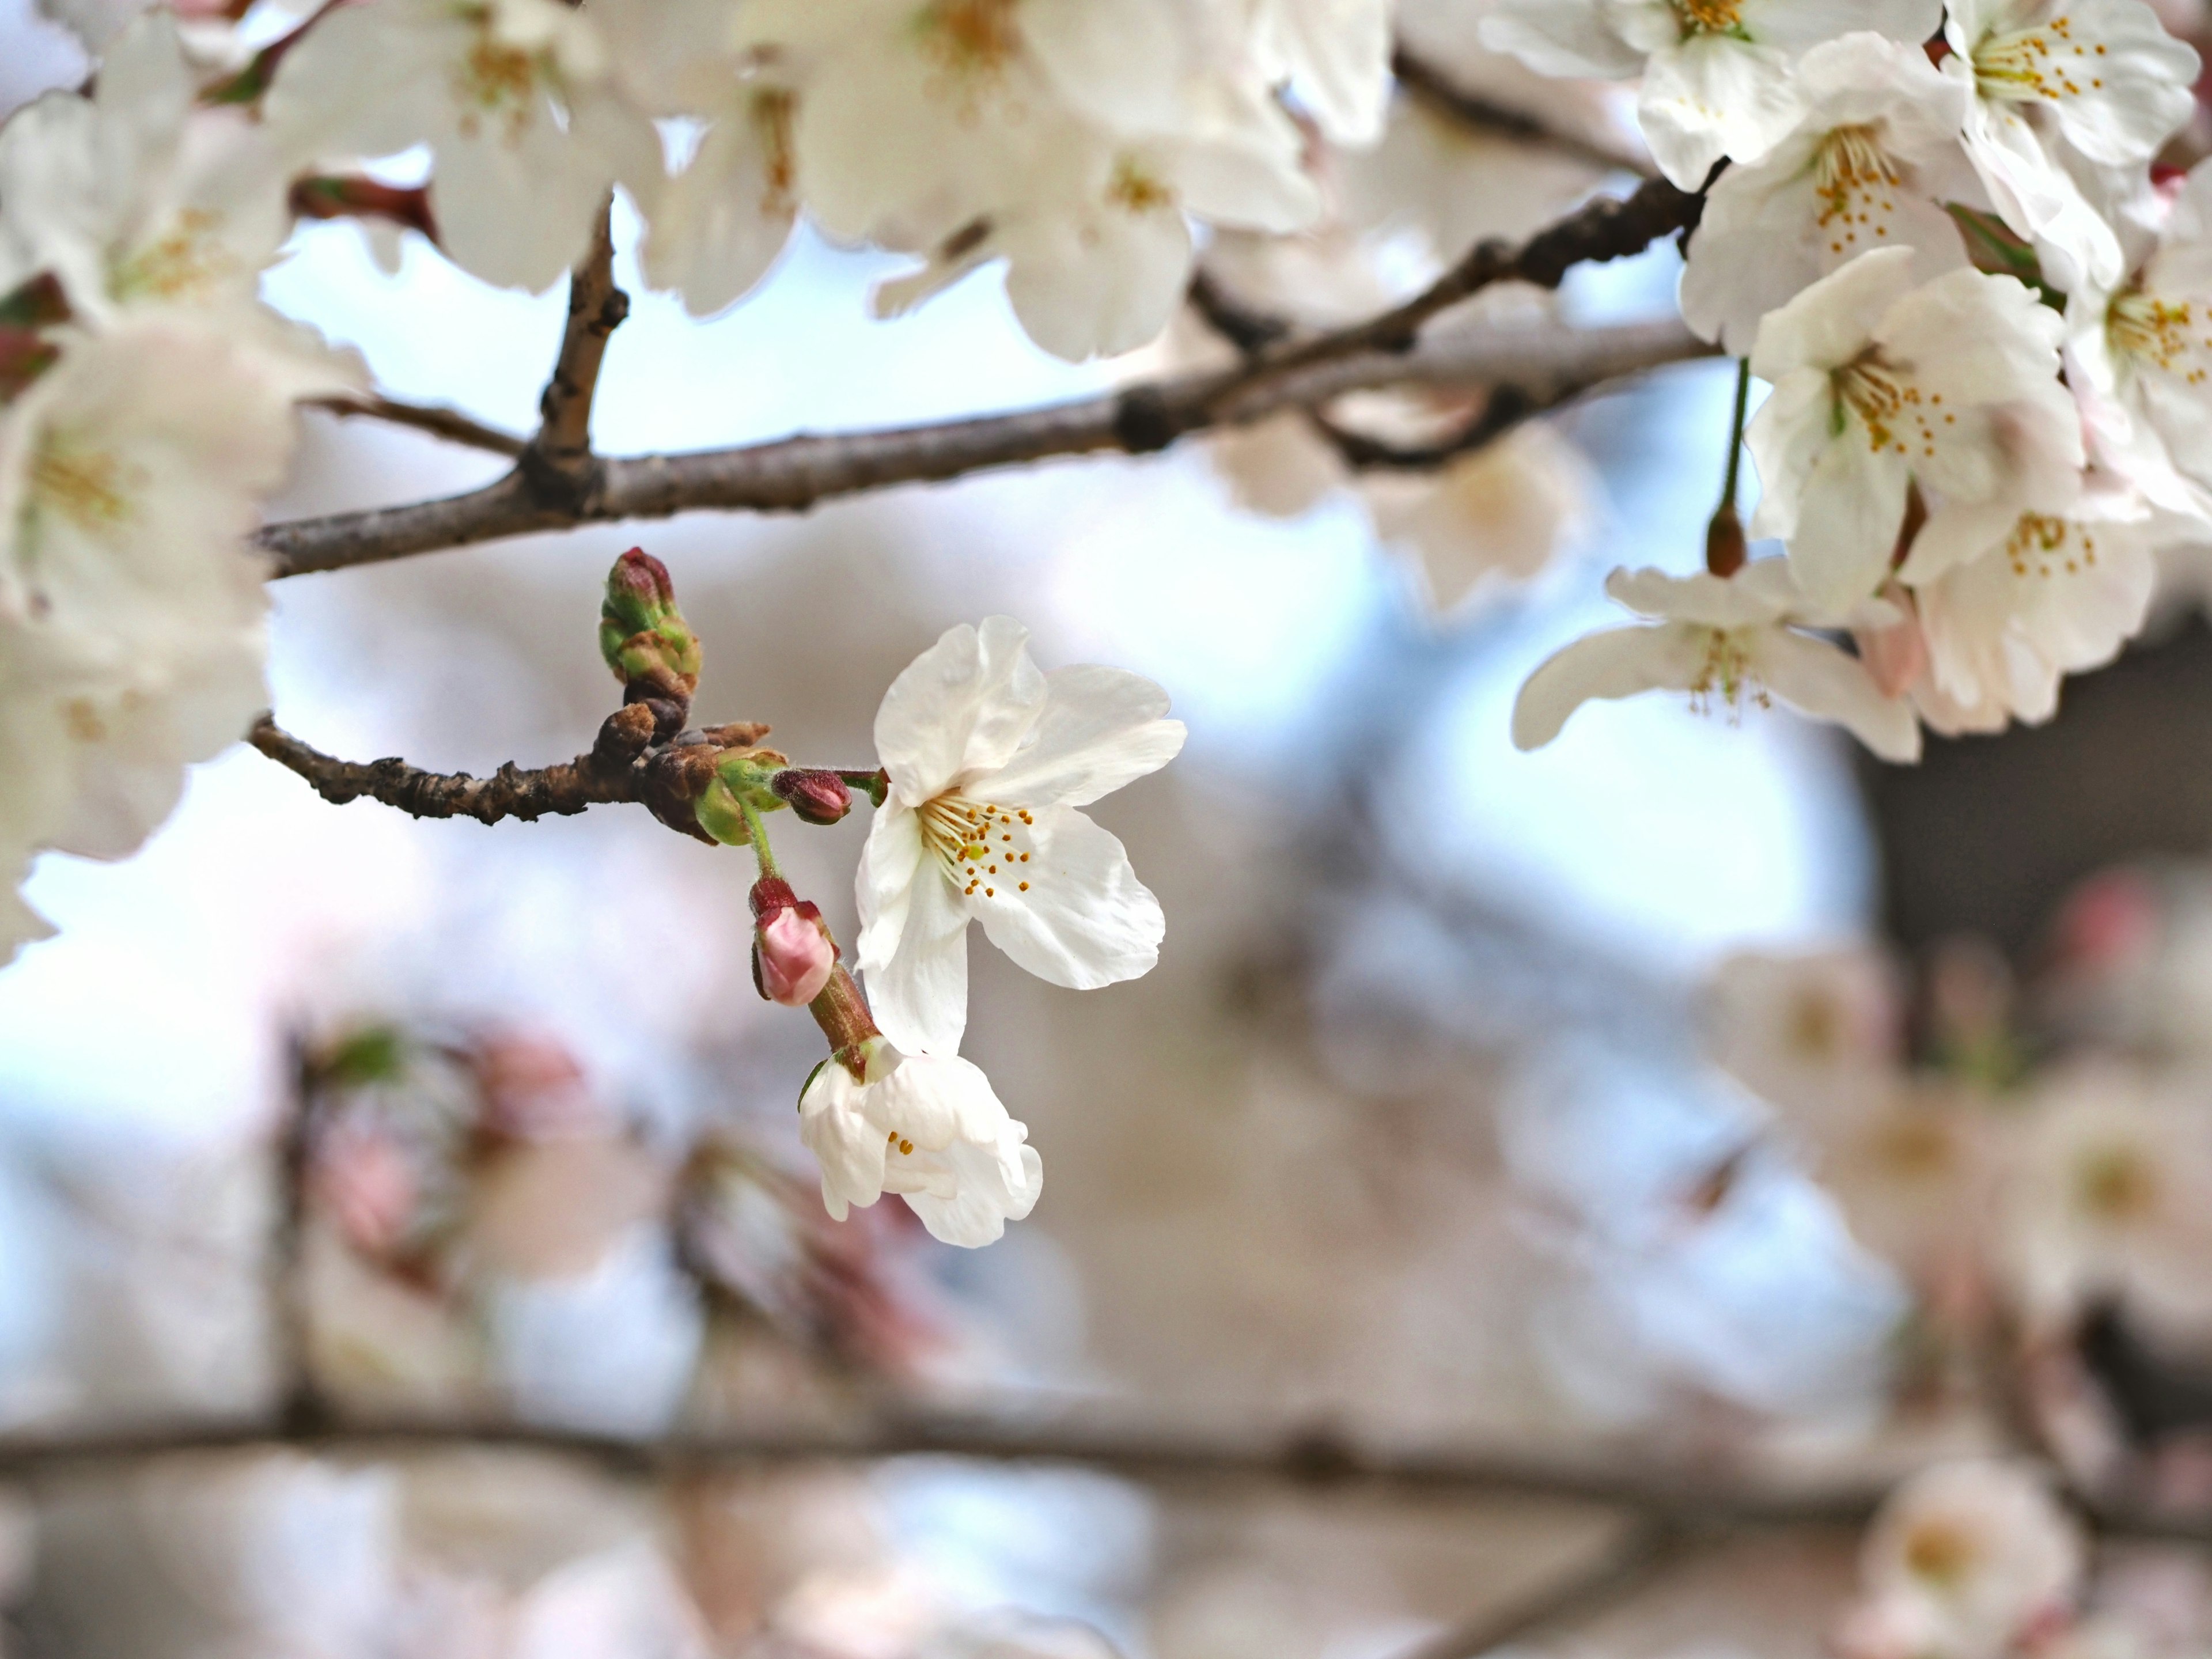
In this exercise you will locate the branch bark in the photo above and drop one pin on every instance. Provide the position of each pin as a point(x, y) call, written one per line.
point(1647, 1549)
point(791, 474)
point(590, 779)
point(558, 465)
point(447, 423)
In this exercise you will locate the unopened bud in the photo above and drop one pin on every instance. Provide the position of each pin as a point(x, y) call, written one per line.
point(793, 956)
point(816, 796)
point(642, 634)
point(1725, 547)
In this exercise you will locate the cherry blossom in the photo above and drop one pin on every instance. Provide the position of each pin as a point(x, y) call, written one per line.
point(1730, 640)
point(526, 129)
point(988, 759)
point(1965, 1559)
point(1874, 154)
point(2071, 100)
point(1719, 75)
point(1879, 383)
point(934, 1132)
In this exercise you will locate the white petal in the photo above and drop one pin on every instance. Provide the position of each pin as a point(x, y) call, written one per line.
point(1086, 920)
point(1713, 96)
point(1560, 37)
point(934, 1100)
point(918, 994)
point(883, 886)
point(959, 710)
point(1833, 321)
point(1100, 728)
point(1815, 676)
point(997, 1184)
point(1098, 284)
point(1619, 662)
point(1851, 508)
point(837, 1130)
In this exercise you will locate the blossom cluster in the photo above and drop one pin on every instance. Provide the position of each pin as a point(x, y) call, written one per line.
point(1937, 233)
point(146, 400)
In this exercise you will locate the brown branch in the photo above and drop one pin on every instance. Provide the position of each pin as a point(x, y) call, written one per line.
point(558, 463)
point(792, 474)
point(1645, 1550)
point(447, 423)
point(590, 779)
point(1436, 88)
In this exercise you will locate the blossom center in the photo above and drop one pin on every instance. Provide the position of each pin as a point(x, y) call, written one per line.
point(984, 849)
point(87, 487)
point(1940, 1552)
point(497, 82)
point(1856, 180)
point(2146, 329)
point(1727, 672)
point(2116, 1184)
point(771, 112)
point(1895, 413)
point(973, 41)
point(2044, 546)
point(2026, 64)
point(1135, 191)
point(1709, 16)
point(186, 262)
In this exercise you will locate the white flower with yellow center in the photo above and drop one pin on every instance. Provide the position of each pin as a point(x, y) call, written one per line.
point(933, 1132)
point(988, 759)
point(1727, 641)
point(1876, 151)
point(1719, 75)
point(2070, 99)
point(527, 128)
point(1879, 383)
point(1969, 1558)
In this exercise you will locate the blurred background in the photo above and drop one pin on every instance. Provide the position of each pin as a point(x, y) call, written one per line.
point(1503, 1139)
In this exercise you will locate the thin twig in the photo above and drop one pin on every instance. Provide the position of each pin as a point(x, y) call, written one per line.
point(1645, 1550)
point(447, 423)
point(1435, 88)
point(558, 463)
point(791, 474)
point(509, 793)
point(299, 1401)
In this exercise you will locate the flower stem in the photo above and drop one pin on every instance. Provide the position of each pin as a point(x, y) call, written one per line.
point(875, 785)
point(1735, 435)
point(756, 827)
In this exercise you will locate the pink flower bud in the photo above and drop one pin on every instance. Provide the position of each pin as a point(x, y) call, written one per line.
point(814, 796)
point(791, 957)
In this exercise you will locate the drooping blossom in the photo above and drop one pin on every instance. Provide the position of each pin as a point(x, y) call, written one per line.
point(1871, 158)
point(526, 129)
point(1880, 383)
point(1963, 1561)
point(2071, 100)
point(988, 759)
point(1723, 640)
point(1719, 75)
point(933, 1132)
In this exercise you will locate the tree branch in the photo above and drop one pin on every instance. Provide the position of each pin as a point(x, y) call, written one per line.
point(558, 463)
point(509, 793)
point(791, 474)
point(1647, 1549)
point(1434, 86)
point(447, 423)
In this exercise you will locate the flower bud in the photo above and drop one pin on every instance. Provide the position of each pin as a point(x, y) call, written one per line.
point(816, 796)
point(1725, 549)
point(642, 634)
point(791, 957)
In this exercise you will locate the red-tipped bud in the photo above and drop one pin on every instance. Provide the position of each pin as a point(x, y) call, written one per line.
point(793, 956)
point(816, 796)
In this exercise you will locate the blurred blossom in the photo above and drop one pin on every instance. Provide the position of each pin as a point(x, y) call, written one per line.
point(1965, 1560)
point(1816, 1035)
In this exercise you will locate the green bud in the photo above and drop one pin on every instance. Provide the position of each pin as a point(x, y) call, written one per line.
point(720, 815)
point(642, 634)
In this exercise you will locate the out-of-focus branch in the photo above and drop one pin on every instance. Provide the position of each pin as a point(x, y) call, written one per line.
point(1434, 86)
point(1643, 1550)
point(794, 473)
point(447, 423)
point(558, 465)
point(299, 1401)
point(791, 474)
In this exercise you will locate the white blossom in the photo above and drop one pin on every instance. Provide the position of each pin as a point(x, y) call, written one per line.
point(1879, 384)
point(1719, 75)
point(1964, 1560)
point(988, 759)
point(526, 129)
point(1874, 154)
point(2009, 605)
point(2139, 358)
point(1730, 640)
point(2070, 99)
point(933, 1133)
point(1336, 56)
point(1501, 513)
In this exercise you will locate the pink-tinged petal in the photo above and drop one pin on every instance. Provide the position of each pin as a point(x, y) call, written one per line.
point(918, 994)
point(1100, 728)
point(961, 707)
point(1817, 679)
point(1075, 914)
point(1619, 662)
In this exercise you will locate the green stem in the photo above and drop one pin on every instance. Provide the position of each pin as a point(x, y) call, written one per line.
point(875, 785)
point(756, 827)
point(1735, 435)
